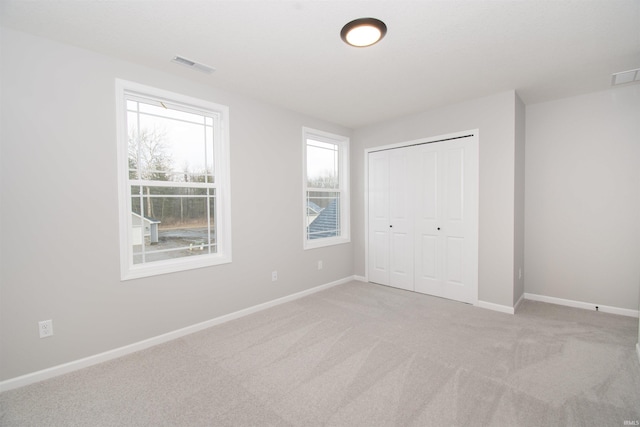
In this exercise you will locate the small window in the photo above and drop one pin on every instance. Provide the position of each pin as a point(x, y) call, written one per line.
point(326, 189)
point(174, 181)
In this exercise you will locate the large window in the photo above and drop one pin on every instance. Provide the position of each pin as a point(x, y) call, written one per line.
point(174, 181)
point(326, 189)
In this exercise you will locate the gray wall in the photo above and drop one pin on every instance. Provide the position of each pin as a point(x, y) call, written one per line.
point(60, 251)
point(583, 198)
point(494, 116)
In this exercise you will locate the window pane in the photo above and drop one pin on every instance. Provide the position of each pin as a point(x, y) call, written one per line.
point(323, 214)
point(170, 150)
point(172, 222)
point(169, 145)
point(209, 157)
point(322, 164)
point(132, 123)
point(194, 249)
point(212, 224)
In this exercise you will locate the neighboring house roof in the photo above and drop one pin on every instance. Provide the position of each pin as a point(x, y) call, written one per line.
point(327, 223)
point(138, 218)
point(313, 208)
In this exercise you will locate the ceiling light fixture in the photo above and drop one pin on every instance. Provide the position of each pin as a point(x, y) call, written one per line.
point(363, 32)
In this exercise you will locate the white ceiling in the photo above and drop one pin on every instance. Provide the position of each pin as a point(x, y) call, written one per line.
point(289, 53)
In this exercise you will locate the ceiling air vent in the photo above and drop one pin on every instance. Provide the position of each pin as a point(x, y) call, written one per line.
point(625, 77)
point(193, 65)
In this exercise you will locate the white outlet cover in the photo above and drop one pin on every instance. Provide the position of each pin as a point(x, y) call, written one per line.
point(46, 328)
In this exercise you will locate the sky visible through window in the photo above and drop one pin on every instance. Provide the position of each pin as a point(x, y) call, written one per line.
point(322, 164)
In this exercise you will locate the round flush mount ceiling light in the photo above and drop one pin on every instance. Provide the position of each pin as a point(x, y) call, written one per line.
point(363, 32)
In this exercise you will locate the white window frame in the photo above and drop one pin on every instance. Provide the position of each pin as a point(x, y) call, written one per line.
point(342, 142)
point(129, 270)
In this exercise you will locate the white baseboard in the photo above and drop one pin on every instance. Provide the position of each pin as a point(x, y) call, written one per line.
point(515, 307)
point(496, 307)
point(75, 365)
point(583, 305)
point(360, 278)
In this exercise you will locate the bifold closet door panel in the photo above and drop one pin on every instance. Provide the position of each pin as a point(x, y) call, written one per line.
point(379, 232)
point(446, 220)
point(390, 219)
point(401, 269)
point(428, 216)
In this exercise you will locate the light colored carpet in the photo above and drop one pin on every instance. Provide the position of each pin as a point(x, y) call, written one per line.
point(361, 355)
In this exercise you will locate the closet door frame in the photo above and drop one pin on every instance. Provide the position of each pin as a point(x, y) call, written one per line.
point(440, 138)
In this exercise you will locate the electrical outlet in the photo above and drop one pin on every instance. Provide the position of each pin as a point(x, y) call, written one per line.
point(520, 273)
point(46, 328)
point(320, 265)
point(274, 275)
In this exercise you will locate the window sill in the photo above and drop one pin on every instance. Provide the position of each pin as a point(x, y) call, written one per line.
point(173, 266)
point(321, 243)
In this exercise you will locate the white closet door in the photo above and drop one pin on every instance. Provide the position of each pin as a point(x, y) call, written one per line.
point(446, 254)
point(401, 270)
point(391, 219)
point(428, 236)
point(379, 217)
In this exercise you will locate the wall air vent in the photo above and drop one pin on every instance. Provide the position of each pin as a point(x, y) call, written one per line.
point(193, 65)
point(625, 77)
